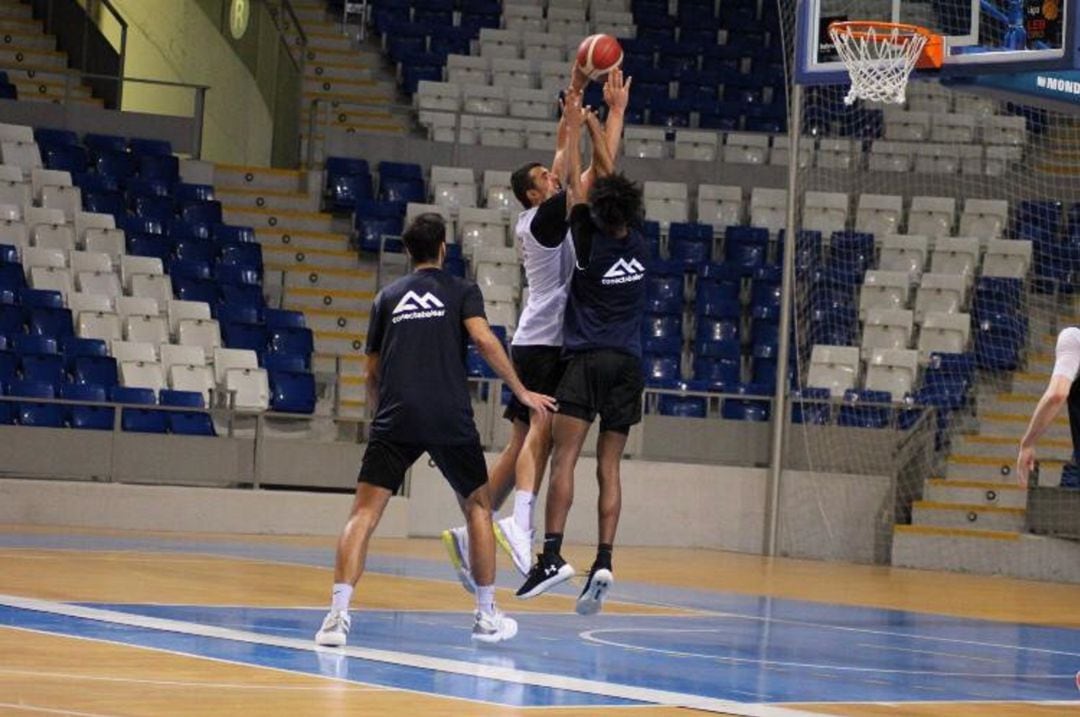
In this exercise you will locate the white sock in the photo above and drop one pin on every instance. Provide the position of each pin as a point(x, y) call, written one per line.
point(523, 504)
point(485, 599)
point(340, 597)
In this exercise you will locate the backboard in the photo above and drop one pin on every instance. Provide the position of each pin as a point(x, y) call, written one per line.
point(981, 36)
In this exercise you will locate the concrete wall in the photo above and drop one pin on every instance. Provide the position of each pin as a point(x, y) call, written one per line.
point(176, 41)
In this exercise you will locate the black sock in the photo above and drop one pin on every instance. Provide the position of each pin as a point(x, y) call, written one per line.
point(552, 544)
point(603, 556)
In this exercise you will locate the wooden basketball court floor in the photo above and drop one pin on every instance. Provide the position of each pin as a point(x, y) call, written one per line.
point(98, 623)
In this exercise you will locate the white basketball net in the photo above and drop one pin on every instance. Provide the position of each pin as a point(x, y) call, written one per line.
point(879, 60)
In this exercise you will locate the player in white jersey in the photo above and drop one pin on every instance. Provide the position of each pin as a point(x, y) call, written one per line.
point(548, 259)
point(1058, 393)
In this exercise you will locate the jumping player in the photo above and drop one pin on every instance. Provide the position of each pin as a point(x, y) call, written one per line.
point(417, 383)
point(602, 338)
point(536, 350)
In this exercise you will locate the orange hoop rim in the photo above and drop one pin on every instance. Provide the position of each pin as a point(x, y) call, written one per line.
point(932, 55)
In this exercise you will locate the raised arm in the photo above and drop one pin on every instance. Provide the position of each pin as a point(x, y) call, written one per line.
point(489, 346)
point(616, 97)
point(575, 117)
point(578, 80)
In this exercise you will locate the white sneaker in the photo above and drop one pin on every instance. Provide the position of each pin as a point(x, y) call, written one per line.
point(335, 629)
point(456, 542)
point(596, 589)
point(493, 627)
point(516, 541)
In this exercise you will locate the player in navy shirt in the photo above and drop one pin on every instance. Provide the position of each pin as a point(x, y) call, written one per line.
point(602, 339)
point(417, 386)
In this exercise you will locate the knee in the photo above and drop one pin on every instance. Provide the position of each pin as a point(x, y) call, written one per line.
point(479, 499)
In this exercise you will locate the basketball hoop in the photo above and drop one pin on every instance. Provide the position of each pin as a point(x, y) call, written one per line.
point(880, 56)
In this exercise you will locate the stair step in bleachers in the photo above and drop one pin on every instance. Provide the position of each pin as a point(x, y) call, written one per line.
point(321, 297)
point(960, 515)
point(234, 176)
point(263, 198)
point(273, 218)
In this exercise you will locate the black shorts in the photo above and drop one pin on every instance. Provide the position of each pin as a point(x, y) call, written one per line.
point(605, 382)
point(385, 463)
point(540, 368)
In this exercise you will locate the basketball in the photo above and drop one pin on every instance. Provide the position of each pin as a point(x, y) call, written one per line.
point(599, 54)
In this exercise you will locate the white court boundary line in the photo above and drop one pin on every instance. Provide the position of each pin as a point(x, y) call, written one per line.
point(457, 667)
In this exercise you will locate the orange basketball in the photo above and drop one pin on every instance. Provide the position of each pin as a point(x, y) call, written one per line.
point(599, 54)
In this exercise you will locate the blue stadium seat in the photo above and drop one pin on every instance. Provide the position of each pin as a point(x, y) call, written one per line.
point(204, 212)
point(292, 391)
point(94, 418)
point(105, 142)
point(810, 405)
point(999, 339)
point(194, 250)
point(690, 244)
point(807, 250)
point(854, 411)
point(291, 341)
point(996, 295)
point(149, 245)
point(284, 319)
point(682, 406)
point(163, 167)
point(242, 256)
point(9, 366)
point(238, 313)
point(38, 415)
point(95, 183)
point(661, 369)
point(710, 303)
point(237, 275)
point(25, 345)
point(12, 320)
point(7, 408)
point(185, 192)
point(244, 336)
point(187, 423)
point(744, 409)
point(66, 159)
point(118, 165)
point(666, 112)
point(51, 322)
point(40, 299)
point(242, 294)
point(8, 91)
point(178, 228)
point(1035, 217)
point(144, 187)
point(104, 202)
point(156, 147)
point(9, 254)
point(141, 225)
point(664, 294)
point(159, 209)
point(96, 370)
point(851, 252)
point(663, 332)
point(285, 362)
point(229, 234)
point(47, 137)
point(139, 420)
point(746, 248)
point(717, 372)
point(765, 293)
point(188, 269)
point(205, 290)
point(399, 189)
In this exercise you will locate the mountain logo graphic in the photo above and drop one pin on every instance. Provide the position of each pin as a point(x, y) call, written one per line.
point(623, 271)
point(414, 302)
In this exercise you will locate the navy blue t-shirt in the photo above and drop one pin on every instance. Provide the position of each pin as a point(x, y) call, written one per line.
point(607, 292)
point(417, 328)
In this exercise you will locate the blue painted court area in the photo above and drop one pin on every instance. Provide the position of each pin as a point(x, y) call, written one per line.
point(732, 649)
point(776, 655)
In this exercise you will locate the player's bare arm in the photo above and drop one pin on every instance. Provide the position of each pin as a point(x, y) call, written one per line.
point(371, 382)
point(1045, 412)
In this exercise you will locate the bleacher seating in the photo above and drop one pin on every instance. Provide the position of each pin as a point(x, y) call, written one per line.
point(98, 263)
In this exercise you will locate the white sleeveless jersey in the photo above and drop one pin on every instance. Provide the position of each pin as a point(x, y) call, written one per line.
point(548, 271)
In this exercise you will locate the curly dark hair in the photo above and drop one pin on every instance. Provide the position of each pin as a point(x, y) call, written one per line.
point(615, 203)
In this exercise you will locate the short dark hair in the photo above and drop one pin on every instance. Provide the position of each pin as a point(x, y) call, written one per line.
point(616, 202)
point(424, 236)
point(521, 182)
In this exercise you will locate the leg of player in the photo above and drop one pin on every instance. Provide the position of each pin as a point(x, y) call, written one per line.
point(515, 532)
point(500, 480)
point(491, 625)
point(367, 509)
point(550, 569)
point(609, 450)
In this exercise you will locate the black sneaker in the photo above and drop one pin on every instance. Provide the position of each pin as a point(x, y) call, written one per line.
point(596, 589)
point(546, 573)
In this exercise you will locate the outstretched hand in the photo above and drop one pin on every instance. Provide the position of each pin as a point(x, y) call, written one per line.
point(573, 112)
point(539, 402)
point(617, 90)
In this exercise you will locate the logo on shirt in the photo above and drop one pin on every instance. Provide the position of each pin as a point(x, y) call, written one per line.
point(414, 306)
point(624, 272)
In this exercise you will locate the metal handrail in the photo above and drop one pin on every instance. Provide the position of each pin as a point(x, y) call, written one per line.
point(298, 64)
